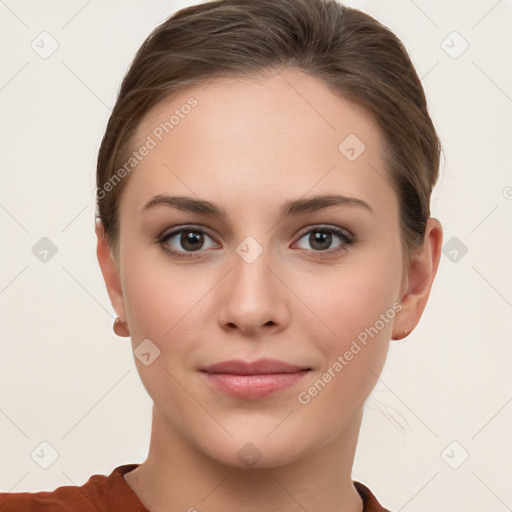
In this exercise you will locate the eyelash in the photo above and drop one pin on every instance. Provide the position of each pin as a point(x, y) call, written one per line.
point(343, 235)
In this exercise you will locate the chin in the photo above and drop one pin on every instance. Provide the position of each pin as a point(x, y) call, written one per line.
point(251, 449)
point(249, 455)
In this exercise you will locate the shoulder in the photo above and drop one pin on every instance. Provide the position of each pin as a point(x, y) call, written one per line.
point(370, 502)
point(100, 493)
point(29, 502)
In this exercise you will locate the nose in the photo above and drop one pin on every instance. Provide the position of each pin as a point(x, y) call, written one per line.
point(254, 298)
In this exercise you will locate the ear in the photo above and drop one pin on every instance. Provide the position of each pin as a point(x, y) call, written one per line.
point(109, 271)
point(418, 280)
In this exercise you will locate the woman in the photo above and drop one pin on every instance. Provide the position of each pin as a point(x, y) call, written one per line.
point(263, 231)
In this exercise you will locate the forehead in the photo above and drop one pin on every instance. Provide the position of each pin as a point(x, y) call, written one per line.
point(259, 137)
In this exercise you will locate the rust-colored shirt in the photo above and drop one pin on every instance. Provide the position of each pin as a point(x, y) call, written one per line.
point(109, 494)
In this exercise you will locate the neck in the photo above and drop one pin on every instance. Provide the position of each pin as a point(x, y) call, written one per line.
point(177, 477)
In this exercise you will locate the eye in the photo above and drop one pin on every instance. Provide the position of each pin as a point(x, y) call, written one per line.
point(191, 239)
point(321, 239)
point(187, 240)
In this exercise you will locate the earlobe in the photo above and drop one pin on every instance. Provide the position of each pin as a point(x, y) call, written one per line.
point(419, 279)
point(109, 271)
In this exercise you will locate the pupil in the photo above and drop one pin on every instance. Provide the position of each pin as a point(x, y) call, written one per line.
point(191, 241)
point(318, 238)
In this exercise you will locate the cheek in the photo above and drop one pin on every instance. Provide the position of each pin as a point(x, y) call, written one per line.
point(160, 301)
point(157, 292)
point(163, 305)
point(359, 307)
point(169, 304)
point(358, 303)
point(352, 297)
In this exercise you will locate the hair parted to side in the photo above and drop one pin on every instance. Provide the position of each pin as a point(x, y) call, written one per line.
point(358, 58)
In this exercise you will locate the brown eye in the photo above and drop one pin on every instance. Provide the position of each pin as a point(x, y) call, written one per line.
point(320, 239)
point(190, 240)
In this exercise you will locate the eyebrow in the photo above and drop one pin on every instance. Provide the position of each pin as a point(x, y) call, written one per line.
point(289, 208)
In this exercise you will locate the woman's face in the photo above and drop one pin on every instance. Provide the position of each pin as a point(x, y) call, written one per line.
point(317, 288)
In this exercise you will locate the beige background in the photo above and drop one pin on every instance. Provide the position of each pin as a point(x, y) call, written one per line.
point(67, 380)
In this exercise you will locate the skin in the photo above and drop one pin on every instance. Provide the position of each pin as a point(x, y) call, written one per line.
point(249, 146)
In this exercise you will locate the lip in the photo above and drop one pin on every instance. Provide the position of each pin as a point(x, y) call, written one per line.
point(253, 380)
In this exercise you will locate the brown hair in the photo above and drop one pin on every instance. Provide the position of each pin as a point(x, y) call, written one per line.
point(353, 54)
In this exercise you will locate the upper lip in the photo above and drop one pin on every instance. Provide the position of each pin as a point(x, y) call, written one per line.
point(259, 367)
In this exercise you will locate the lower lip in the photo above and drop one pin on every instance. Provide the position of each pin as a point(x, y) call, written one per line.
point(252, 387)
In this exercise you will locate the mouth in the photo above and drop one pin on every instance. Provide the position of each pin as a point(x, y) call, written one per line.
point(253, 380)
